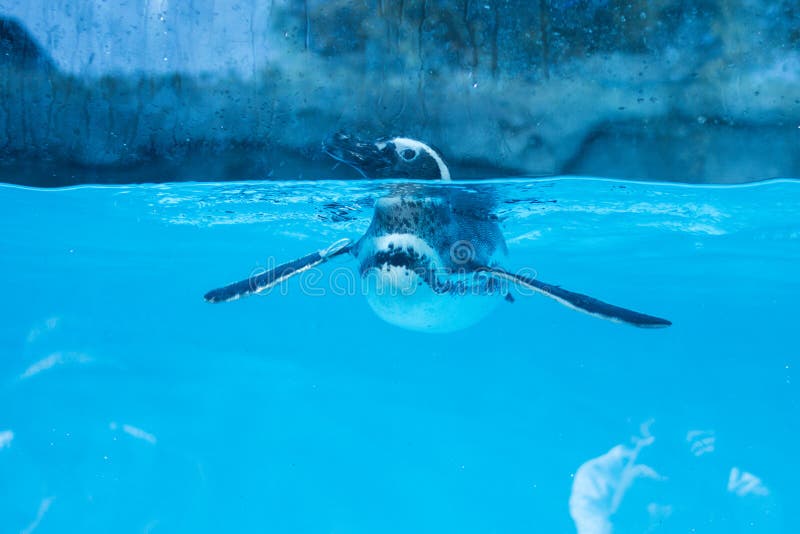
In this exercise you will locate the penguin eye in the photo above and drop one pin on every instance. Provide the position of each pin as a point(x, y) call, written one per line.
point(408, 154)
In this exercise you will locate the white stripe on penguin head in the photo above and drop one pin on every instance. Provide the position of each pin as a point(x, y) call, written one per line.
point(402, 143)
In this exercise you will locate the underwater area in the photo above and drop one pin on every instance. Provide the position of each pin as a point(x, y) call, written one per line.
point(132, 405)
point(372, 267)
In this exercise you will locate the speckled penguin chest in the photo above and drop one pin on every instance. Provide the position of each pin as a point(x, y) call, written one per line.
point(429, 231)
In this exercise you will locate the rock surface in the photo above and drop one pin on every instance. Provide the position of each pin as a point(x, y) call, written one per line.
point(662, 89)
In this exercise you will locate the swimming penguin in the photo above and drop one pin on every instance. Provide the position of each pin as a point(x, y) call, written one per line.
point(398, 157)
point(430, 261)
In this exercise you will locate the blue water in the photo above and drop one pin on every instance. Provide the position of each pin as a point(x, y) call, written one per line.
point(130, 405)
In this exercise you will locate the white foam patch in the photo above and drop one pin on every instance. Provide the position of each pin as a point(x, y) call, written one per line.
point(44, 506)
point(686, 227)
point(281, 203)
point(600, 484)
point(6, 437)
point(701, 441)
point(687, 210)
point(47, 325)
point(208, 220)
point(135, 432)
point(528, 236)
point(296, 235)
point(52, 360)
point(138, 433)
point(742, 483)
point(659, 512)
point(692, 218)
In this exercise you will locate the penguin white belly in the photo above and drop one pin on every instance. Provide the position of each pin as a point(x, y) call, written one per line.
point(412, 287)
point(402, 298)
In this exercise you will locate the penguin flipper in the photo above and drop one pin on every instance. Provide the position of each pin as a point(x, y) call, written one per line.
point(583, 303)
point(263, 281)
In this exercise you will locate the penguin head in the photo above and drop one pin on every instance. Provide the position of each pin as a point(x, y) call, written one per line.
point(390, 157)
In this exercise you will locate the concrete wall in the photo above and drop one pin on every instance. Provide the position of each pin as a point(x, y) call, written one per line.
point(703, 91)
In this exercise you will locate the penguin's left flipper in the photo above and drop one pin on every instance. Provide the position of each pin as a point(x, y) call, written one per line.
point(260, 282)
point(583, 303)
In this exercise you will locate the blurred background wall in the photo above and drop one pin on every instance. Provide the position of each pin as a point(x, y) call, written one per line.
point(162, 90)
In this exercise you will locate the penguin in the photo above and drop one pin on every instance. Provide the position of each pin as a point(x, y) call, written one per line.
point(428, 261)
point(389, 157)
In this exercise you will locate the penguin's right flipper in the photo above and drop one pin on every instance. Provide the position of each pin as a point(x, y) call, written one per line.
point(263, 281)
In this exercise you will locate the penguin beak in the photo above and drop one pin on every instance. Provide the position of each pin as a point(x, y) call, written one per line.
point(366, 157)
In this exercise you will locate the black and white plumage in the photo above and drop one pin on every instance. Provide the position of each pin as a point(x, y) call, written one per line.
point(425, 264)
point(388, 157)
point(428, 262)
